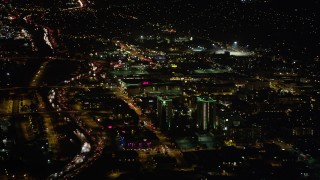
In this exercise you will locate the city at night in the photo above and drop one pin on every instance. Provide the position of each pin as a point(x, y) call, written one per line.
point(162, 89)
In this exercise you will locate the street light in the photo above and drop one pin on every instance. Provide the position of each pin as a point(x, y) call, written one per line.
point(235, 44)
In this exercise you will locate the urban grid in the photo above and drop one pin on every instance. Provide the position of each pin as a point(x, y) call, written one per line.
point(162, 89)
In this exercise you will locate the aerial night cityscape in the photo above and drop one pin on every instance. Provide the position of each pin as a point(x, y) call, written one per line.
point(159, 89)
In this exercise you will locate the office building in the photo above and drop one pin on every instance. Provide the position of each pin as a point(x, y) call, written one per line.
point(206, 114)
point(165, 112)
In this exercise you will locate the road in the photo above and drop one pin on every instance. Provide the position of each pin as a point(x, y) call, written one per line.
point(92, 145)
point(91, 134)
point(37, 77)
point(166, 147)
point(6, 106)
point(309, 160)
point(93, 142)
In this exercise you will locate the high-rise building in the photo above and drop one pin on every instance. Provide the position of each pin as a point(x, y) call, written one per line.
point(206, 113)
point(165, 112)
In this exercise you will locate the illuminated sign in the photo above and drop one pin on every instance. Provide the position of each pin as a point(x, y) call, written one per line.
point(145, 83)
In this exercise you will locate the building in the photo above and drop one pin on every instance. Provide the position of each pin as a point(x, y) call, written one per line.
point(206, 113)
point(165, 112)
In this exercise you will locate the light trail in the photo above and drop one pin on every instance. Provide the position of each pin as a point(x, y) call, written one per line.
point(81, 4)
point(46, 38)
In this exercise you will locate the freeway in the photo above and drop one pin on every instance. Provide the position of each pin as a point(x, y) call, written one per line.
point(82, 4)
point(91, 149)
point(91, 134)
point(36, 78)
point(93, 142)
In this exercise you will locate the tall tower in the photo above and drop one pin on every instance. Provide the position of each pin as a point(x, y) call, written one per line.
point(206, 113)
point(165, 112)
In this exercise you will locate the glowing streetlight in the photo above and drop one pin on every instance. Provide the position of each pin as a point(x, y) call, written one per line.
point(235, 44)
